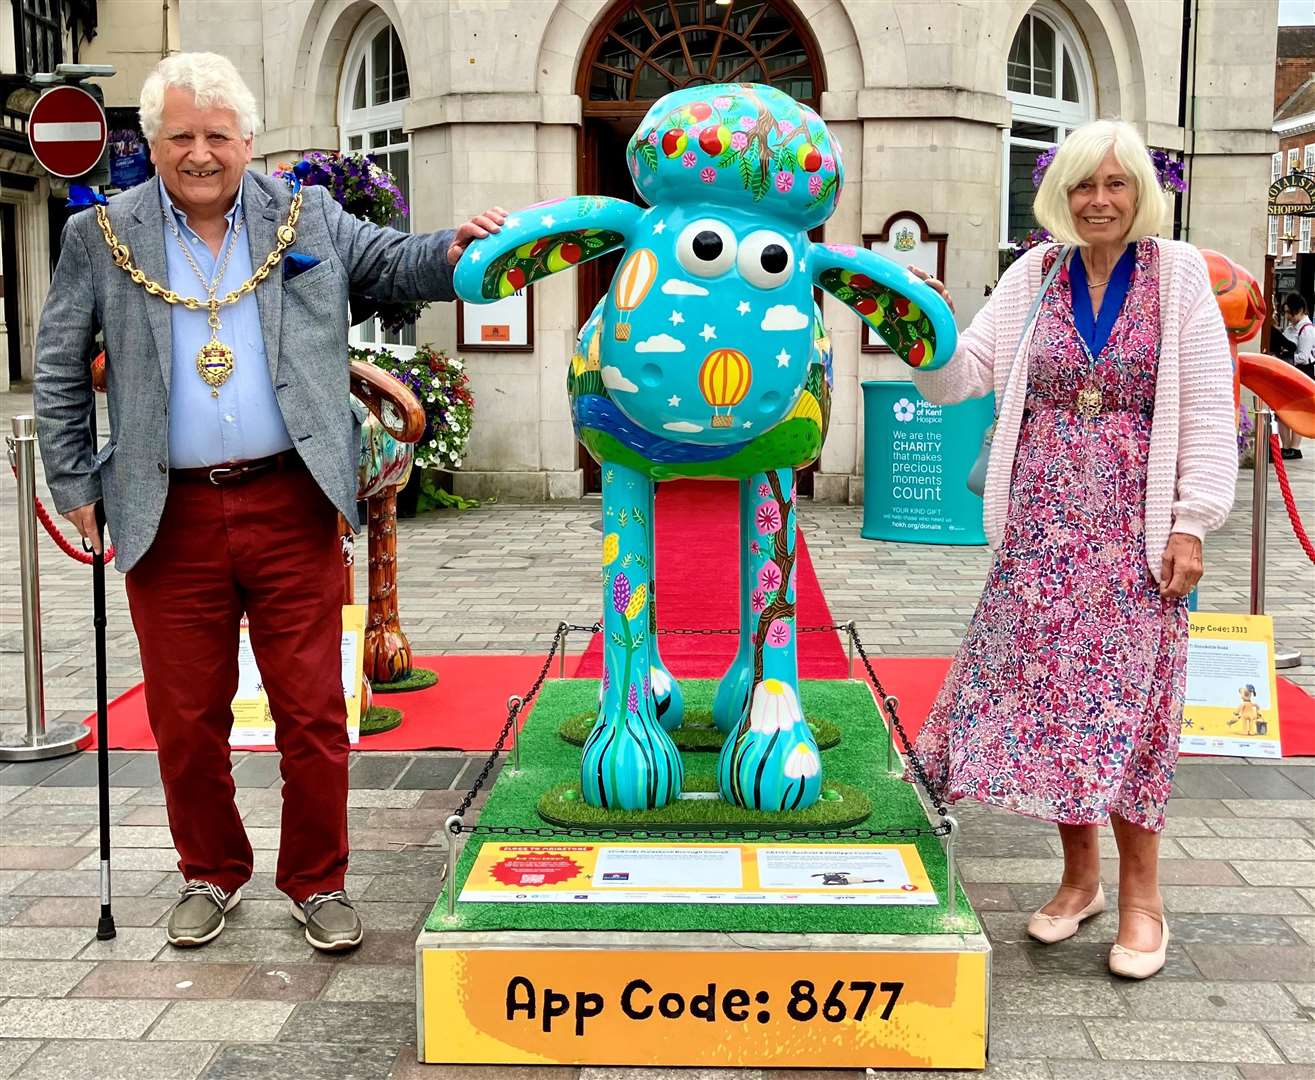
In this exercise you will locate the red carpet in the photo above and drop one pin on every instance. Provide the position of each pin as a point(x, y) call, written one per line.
point(697, 548)
point(916, 681)
point(464, 710)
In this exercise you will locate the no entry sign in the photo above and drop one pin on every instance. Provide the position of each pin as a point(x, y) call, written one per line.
point(67, 131)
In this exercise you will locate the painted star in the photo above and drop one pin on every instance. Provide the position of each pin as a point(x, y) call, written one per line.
point(708, 332)
point(747, 424)
point(547, 221)
point(659, 228)
point(673, 402)
point(677, 318)
point(782, 359)
point(512, 222)
point(476, 254)
point(743, 307)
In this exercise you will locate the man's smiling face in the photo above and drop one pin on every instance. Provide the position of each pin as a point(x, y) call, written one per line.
point(200, 154)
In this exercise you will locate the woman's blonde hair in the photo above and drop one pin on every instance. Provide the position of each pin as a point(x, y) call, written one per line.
point(1077, 158)
point(213, 81)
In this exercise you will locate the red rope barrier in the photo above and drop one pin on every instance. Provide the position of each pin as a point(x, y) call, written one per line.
point(1280, 470)
point(52, 530)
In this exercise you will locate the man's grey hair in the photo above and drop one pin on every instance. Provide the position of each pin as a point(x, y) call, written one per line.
point(213, 81)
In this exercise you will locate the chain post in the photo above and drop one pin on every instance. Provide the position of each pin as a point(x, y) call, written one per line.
point(562, 630)
point(892, 706)
point(451, 833)
point(951, 868)
point(850, 630)
point(514, 704)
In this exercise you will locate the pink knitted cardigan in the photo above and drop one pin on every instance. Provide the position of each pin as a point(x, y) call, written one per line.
point(1192, 463)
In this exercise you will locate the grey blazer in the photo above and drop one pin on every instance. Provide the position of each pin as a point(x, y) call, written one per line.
point(303, 321)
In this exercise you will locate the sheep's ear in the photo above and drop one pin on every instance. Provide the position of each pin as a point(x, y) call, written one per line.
point(541, 240)
point(910, 316)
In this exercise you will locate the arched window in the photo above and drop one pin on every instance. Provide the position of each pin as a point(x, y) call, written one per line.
point(374, 91)
point(1048, 83)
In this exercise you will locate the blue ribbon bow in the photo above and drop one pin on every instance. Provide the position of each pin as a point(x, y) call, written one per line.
point(80, 196)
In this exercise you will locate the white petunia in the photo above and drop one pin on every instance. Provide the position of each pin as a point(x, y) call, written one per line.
point(774, 708)
point(801, 762)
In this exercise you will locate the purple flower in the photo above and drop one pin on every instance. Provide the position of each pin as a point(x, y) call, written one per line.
point(646, 686)
point(632, 699)
point(708, 175)
point(778, 633)
point(758, 601)
point(784, 181)
point(769, 577)
point(1042, 164)
point(768, 519)
point(607, 678)
point(620, 592)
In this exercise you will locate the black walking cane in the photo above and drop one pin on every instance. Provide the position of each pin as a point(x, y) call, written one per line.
point(105, 926)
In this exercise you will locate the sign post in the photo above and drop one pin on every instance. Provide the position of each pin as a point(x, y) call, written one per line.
point(67, 131)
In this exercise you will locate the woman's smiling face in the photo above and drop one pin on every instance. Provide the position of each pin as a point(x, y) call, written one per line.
point(1104, 204)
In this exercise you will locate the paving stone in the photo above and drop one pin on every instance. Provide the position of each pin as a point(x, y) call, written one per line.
point(157, 816)
point(1304, 993)
point(42, 943)
point(11, 879)
point(1009, 959)
point(1140, 1070)
point(62, 814)
point(225, 1021)
point(407, 1068)
point(44, 835)
point(129, 943)
point(418, 887)
point(384, 947)
point(69, 1018)
point(1091, 958)
point(286, 982)
point(1271, 808)
point(66, 1059)
point(141, 979)
point(371, 982)
point(1276, 1072)
point(73, 796)
point(78, 771)
point(87, 882)
point(1232, 930)
point(24, 773)
point(343, 1023)
point(1277, 873)
point(13, 1052)
point(377, 770)
point(1055, 996)
point(1236, 826)
point(247, 946)
point(11, 907)
point(370, 797)
point(1304, 925)
point(262, 887)
point(1031, 1037)
point(431, 773)
point(1206, 899)
point(323, 1062)
point(990, 897)
point(1282, 963)
point(1297, 1041)
point(1205, 782)
point(258, 770)
point(1301, 775)
point(1222, 1001)
point(42, 858)
point(1264, 783)
point(1272, 847)
point(141, 770)
point(1181, 1040)
point(40, 978)
point(1197, 808)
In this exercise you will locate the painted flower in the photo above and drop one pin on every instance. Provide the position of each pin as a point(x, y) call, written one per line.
point(620, 592)
point(607, 678)
point(755, 547)
point(652, 137)
point(764, 491)
point(775, 707)
point(815, 184)
point(828, 163)
point(647, 687)
point(769, 577)
point(801, 762)
point(722, 102)
point(660, 681)
point(758, 601)
point(637, 602)
point(632, 699)
point(784, 127)
point(739, 140)
point(784, 181)
point(778, 633)
point(747, 122)
point(768, 518)
point(708, 175)
point(688, 159)
point(611, 548)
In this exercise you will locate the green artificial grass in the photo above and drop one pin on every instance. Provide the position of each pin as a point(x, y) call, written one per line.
point(419, 679)
point(379, 719)
point(840, 806)
point(698, 732)
point(859, 762)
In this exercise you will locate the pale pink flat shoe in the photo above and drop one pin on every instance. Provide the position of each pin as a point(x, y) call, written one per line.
point(1135, 964)
point(1052, 928)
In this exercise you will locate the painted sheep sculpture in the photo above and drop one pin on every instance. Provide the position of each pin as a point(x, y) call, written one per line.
point(708, 358)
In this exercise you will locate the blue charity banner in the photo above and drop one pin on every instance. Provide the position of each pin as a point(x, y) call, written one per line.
point(917, 457)
point(127, 154)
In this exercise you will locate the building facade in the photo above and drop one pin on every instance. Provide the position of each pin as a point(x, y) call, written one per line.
point(942, 109)
point(1290, 262)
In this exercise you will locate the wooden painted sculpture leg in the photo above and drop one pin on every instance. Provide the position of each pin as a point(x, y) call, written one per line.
point(629, 760)
point(731, 703)
point(770, 761)
point(387, 650)
point(668, 700)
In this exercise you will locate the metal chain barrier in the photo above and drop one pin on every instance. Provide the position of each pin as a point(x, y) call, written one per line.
point(518, 703)
point(1281, 471)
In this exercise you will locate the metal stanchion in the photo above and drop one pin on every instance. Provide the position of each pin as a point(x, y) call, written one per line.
point(1283, 658)
point(951, 869)
point(451, 865)
point(850, 631)
point(892, 706)
point(57, 739)
point(562, 631)
point(515, 702)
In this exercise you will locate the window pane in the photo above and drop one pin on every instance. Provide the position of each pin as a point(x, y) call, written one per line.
point(378, 139)
point(379, 70)
point(1019, 67)
point(401, 79)
point(1071, 91)
point(1043, 59)
point(1276, 167)
point(1308, 158)
point(396, 135)
point(1273, 236)
point(356, 142)
point(399, 164)
point(1024, 130)
point(1022, 160)
point(358, 92)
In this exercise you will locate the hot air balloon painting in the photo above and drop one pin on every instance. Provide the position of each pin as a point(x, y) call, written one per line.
point(724, 380)
point(633, 281)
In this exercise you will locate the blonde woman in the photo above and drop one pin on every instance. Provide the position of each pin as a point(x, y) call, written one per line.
point(1113, 457)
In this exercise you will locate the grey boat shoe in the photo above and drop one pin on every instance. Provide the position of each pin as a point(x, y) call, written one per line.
point(331, 922)
point(198, 916)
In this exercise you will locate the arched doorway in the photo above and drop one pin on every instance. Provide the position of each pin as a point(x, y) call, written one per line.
point(643, 49)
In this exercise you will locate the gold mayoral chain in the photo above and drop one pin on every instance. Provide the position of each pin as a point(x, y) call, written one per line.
point(214, 362)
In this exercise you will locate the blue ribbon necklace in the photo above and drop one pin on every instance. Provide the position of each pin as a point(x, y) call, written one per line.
point(1095, 330)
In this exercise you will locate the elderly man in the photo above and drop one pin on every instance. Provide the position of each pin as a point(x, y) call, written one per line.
point(232, 450)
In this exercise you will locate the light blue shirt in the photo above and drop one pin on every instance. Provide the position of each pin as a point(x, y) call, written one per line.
point(244, 422)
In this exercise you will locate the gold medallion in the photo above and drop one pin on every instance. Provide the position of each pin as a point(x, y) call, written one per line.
point(1090, 402)
point(214, 363)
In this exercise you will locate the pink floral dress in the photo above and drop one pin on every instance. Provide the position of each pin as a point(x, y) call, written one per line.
point(1065, 700)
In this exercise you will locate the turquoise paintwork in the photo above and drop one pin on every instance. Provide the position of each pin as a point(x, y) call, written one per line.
point(708, 358)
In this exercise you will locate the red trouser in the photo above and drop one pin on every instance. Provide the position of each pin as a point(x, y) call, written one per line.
point(268, 546)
